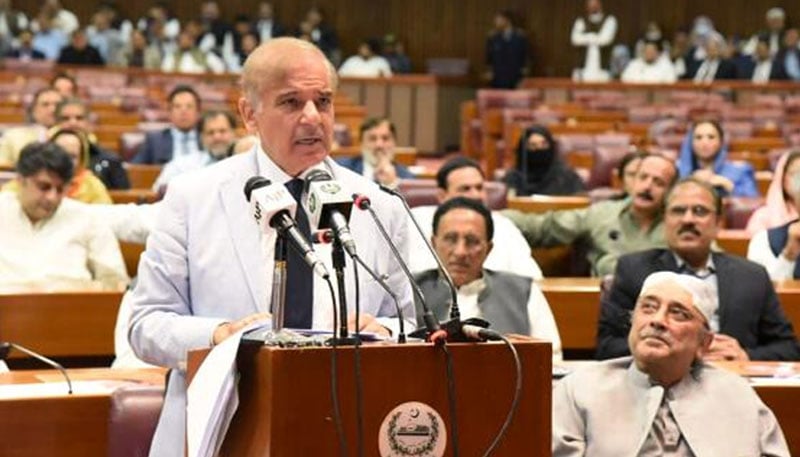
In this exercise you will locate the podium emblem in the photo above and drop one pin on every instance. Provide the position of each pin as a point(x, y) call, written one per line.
point(412, 429)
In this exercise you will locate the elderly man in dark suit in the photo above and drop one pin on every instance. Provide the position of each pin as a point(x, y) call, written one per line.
point(182, 138)
point(749, 323)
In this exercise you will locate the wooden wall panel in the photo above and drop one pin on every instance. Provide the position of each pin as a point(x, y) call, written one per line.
point(458, 28)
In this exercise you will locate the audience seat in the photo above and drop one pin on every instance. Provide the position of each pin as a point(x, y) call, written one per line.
point(737, 210)
point(133, 419)
point(606, 160)
point(142, 176)
point(421, 192)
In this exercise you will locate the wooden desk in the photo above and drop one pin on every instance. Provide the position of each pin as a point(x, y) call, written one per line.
point(734, 241)
point(575, 303)
point(544, 203)
point(137, 196)
point(60, 324)
point(66, 425)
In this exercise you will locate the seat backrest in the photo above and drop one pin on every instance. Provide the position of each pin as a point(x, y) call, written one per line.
point(606, 160)
point(422, 192)
point(132, 420)
point(737, 210)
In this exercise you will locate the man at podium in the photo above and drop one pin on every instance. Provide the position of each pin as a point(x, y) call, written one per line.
point(206, 271)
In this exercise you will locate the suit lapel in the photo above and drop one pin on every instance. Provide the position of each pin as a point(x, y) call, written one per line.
point(245, 240)
point(726, 286)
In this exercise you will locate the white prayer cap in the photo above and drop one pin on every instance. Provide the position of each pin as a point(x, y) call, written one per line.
point(776, 13)
point(703, 297)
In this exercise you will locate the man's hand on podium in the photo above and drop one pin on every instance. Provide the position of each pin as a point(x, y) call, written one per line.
point(367, 324)
point(227, 329)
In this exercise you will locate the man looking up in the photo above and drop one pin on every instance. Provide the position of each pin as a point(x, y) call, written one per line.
point(661, 400)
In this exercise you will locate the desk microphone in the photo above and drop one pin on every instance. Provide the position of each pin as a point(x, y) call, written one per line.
point(271, 208)
point(363, 202)
point(452, 329)
point(5, 347)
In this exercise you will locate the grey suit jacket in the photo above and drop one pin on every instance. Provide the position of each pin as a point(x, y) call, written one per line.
point(204, 264)
point(608, 409)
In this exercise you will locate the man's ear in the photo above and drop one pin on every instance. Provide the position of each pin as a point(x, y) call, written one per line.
point(440, 195)
point(705, 344)
point(489, 247)
point(248, 114)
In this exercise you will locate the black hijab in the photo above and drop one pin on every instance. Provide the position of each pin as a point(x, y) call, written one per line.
point(541, 171)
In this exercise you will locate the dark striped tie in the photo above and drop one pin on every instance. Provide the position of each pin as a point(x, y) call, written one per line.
point(299, 281)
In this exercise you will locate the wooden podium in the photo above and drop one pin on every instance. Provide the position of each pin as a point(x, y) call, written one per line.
point(286, 410)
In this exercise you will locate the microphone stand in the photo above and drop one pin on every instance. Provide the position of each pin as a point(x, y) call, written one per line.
point(338, 260)
point(279, 275)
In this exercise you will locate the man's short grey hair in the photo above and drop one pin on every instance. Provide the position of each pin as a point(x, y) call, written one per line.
point(256, 72)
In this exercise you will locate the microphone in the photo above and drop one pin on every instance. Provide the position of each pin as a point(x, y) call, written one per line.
point(271, 205)
point(5, 347)
point(453, 328)
point(363, 202)
point(329, 208)
point(479, 333)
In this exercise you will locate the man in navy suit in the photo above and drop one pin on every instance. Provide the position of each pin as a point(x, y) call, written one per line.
point(749, 323)
point(181, 138)
point(25, 50)
point(377, 136)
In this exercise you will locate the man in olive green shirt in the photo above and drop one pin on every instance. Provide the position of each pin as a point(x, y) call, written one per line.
point(609, 228)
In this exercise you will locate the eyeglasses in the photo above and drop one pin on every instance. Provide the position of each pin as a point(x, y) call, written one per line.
point(697, 210)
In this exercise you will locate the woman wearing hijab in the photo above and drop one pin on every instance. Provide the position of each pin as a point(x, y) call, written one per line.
point(780, 206)
point(85, 186)
point(539, 169)
point(704, 155)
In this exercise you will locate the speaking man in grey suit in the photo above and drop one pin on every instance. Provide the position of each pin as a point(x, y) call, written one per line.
point(204, 274)
point(664, 400)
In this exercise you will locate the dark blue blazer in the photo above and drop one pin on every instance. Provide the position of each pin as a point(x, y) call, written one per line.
point(157, 148)
point(356, 164)
point(748, 305)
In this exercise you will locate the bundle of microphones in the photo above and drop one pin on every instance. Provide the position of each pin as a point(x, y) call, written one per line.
point(329, 209)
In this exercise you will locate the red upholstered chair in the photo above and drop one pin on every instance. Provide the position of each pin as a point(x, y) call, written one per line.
point(132, 420)
point(642, 114)
point(738, 129)
point(606, 160)
point(737, 210)
point(421, 192)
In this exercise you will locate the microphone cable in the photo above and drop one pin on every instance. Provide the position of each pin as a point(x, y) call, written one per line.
point(517, 392)
point(337, 414)
point(4, 348)
point(357, 367)
point(451, 394)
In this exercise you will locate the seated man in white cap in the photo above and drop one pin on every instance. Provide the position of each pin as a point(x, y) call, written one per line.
point(660, 400)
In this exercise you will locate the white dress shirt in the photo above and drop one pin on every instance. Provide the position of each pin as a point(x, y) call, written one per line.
point(659, 72)
point(359, 67)
point(778, 267)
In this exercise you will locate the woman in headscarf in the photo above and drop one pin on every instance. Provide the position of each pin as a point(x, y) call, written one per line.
point(704, 155)
point(780, 205)
point(539, 168)
point(85, 186)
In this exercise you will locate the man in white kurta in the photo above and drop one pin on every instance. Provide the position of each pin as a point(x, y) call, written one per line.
point(462, 177)
point(51, 242)
point(664, 400)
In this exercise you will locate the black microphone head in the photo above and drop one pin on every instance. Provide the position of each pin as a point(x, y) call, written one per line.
point(254, 183)
point(5, 347)
point(317, 175)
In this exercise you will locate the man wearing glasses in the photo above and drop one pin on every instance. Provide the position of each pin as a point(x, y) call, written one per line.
point(749, 323)
point(462, 237)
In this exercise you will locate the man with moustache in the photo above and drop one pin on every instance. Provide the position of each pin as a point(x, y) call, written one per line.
point(659, 401)
point(749, 323)
point(377, 153)
point(205, 272)
point(609, 228)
